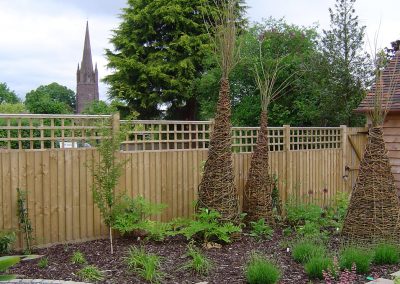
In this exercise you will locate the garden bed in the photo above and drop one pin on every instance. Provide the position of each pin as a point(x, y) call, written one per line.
point(228, 261)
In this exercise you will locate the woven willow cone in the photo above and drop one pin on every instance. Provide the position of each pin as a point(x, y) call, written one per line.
point(217, 189)
point(374, 210)
point(258, 191)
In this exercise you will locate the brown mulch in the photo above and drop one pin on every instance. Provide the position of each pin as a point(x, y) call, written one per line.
point(228, 261)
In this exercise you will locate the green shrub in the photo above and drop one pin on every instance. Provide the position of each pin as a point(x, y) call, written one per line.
point(198, 262)
point(78, 258)
point(259, 270)
point(298, 213)
point(261, 230)
point(5, 263)
point(43, 262)
point(386, 254)
point(207, 227)
point(316, 265)
point(7, 239)
point(304, 250)
point(146, 265)
point(360, 256)
point(90, 273)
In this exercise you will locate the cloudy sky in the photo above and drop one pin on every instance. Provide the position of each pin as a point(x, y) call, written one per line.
point(41, 41)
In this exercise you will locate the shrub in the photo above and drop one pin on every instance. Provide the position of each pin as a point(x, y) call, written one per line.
point(304, 250)
point(90, 273)
point(207, 227)
point(43, 263)
point(261, 271)
point(316, 265)
point(78, 258)
point(362, 258)
point(386, 254)
point(261, 230)
point(7, 239)
point(198, 262)
point(146, 265)
point(299, 212)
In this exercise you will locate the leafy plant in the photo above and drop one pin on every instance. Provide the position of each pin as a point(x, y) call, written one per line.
point(261, 230)
point(5, 263)
point(361, 257)
point(24, 221)
point(7, 239)
point(144, 264)
point(106, 173)
point(343, 277)
point(386, 254)
point(316, 265)
point(43, 262)
point(304, 250)
point(259, 270)
point(299, 212)
point(78, 258)
point(198, 262)
point(90, 273)
point(208, 227)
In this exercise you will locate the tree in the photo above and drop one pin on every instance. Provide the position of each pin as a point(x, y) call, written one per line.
point(349, 66)
point(52, 98)
point(12, 108)
point(158, 52)
point(7, 96)
point(99, 107)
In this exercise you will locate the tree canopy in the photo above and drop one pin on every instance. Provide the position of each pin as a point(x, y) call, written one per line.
point(7, 95)
point(52, 98)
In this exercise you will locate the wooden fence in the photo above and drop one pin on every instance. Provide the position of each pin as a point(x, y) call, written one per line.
point(312, 164)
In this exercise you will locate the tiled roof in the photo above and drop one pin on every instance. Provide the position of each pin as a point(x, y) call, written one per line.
point(388, 87)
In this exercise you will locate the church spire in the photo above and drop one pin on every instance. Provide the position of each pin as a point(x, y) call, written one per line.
point(87, 63)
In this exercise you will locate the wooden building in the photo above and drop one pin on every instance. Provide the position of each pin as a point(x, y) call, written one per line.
point(387, 92)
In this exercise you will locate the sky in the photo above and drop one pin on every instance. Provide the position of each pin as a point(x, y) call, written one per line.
point(41, 41)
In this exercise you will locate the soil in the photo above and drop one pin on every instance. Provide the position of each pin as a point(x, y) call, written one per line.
point(228, 261)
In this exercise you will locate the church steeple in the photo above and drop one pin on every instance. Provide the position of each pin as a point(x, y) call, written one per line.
point(87, 89)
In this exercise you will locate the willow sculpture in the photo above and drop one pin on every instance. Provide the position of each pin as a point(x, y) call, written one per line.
point(257, 203)
point(374, 210)
point(217, 189)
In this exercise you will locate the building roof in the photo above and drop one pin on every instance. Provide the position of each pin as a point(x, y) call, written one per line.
point(388, 87)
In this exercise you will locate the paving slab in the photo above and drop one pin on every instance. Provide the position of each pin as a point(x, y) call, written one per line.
point(381, 281)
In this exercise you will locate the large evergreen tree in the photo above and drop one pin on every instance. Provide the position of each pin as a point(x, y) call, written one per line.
point(158, 51)
point(349, 66)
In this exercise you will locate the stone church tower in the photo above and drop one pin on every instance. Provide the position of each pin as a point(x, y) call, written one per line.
point(87, 88)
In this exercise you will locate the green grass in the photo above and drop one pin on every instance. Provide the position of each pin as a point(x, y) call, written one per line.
point(146, 265)
point(90, 273)
point(198, 262)
point(316, 265)
point(360, 256)
point(78, 258)
point(304, 250)
point(386, 254)
point(259, 270)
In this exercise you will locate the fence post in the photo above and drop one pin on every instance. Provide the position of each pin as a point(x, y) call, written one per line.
point(344, 156)
point(115, 123)
point(286, 149)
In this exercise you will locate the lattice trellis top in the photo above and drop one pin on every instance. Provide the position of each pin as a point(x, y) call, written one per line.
point(388, 88)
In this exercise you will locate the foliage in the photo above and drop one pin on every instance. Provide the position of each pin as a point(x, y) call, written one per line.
point(299, 213)
point(7, 239)
point(12, 108)
point(7, 96)
point(386, 253)
point(24, 221)
point(43, 262)
point(90, 273)
point(316, 265)
point(343, 277)
point(259, 270)
point(304, 250)
point(349, 70)
point(207, 227)
point(78, 258)
point(99, 107)
point(198, 262)
point(146, 265)
point(5, 263)
point(52, 99)
point(261, 230)
point(361, 257)
point(106, 173)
